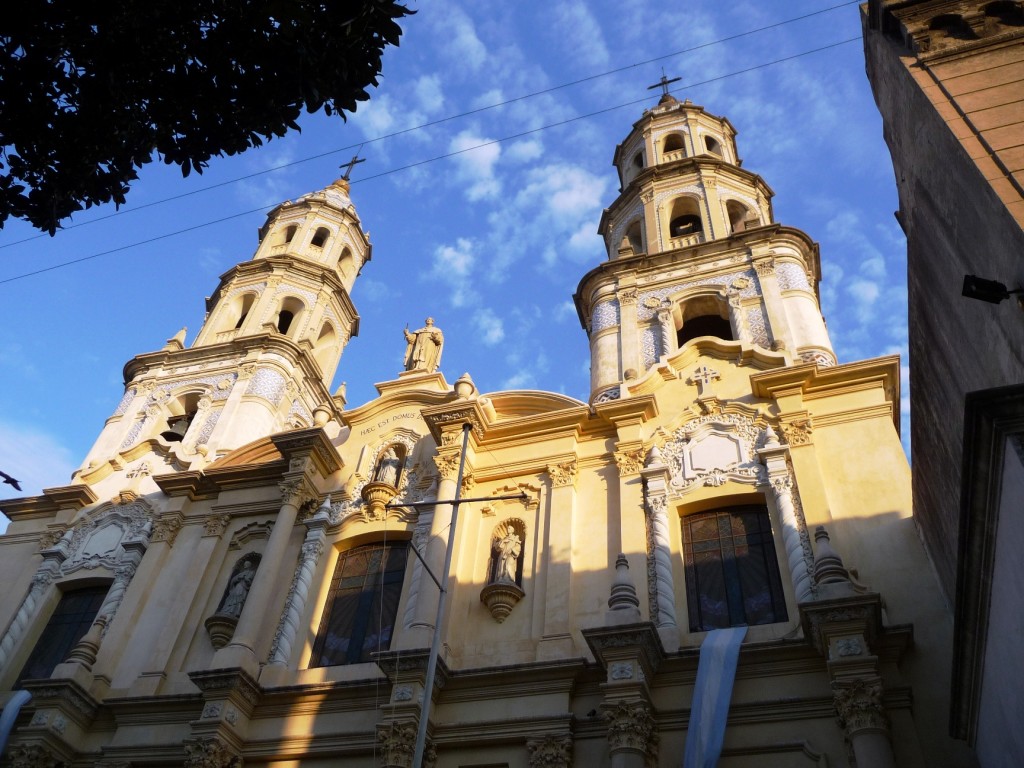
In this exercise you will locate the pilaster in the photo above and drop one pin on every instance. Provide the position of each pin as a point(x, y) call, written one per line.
point(556, 641)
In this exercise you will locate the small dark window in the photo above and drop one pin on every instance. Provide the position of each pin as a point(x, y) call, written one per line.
point(72, 618)
point(732, 574)
point(361, 605)
point(320, 237)
point(289, 233)
point(638, 160)
point(713, 146)
point(687, 224)
point(705, 325)
point(284, 320)
point(673, 142)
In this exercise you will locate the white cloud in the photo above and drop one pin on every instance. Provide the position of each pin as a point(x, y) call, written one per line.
point(521, 380)
point(428, 95)
point(36, 459)
point(864, 291)
point(461, 43)
point(564, 311)
point(454, 265)
point(578, 31)
point(476, 164)
point(489, 326)
point(524, 151)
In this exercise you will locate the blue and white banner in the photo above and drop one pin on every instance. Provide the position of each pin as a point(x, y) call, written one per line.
point(716, 670)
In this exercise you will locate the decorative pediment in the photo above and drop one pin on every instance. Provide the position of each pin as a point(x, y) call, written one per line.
point(713, 449)
point(98, 539)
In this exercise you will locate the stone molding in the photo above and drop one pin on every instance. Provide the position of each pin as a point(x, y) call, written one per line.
point(629, 462)
point(397, 742)
point(564, 474)
point(32, 756)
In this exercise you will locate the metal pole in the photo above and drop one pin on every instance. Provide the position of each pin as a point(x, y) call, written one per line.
point(435, 646)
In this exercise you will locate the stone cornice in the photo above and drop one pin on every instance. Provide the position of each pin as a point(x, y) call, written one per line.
point(52, 500)
point(633, 410)
point(807, 381)
point(312, 443)
point(458, 412)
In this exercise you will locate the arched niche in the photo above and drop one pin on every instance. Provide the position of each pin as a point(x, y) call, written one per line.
point(236, 312)
point(325, 349)
point(633, 238)
point(346, 263)
point(508, 542)
point(285, 234)
point(703, 314)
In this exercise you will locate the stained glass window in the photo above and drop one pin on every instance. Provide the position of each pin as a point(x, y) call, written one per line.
point(732, 574)
point(361, 605)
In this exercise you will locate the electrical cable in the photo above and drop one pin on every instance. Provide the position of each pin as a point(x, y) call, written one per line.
point(433, 159)
point(442, 120)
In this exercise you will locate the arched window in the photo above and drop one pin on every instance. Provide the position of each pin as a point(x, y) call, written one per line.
point(319, 239)
point(244, 304)
point(740, 217)
point(182, 413)
point(712, 145)
point(361, 606)
point(684, 219)
point(638, 160)
point(732, 573)
point(326, 348)
point(286, 235)
point(290, 309)
point(68, 624)
point(673, 143)
point(346, 264)
point(633, 239)
point(704, 316)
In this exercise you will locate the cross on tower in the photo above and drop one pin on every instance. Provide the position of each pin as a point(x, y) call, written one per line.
point(352, 164)
point(664, 83)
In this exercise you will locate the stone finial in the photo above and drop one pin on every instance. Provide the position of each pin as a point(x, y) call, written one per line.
point(323, 512)
point(464, 387)
point(828, 565)
point(177, 341)
point(653, 457)
point(771, 440)
point(322, 416)
point(623, 604)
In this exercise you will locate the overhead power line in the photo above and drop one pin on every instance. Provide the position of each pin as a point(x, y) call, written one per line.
point(449, 118)
point(437, 158)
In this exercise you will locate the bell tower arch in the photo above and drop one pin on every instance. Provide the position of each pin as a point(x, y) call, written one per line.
point(264, 358)
point(694, 252)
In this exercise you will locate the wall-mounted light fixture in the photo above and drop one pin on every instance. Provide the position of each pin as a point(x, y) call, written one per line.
point(991, 291)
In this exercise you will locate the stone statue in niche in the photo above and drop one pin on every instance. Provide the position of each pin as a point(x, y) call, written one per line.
point(388, 467)
point(238, 587)
point(423, 350)
point(508, 550)
point(503, 591)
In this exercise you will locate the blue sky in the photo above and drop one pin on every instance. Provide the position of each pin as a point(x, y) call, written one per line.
point(490, 242)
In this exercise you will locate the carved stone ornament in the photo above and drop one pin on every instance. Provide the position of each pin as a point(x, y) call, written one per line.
point(447, 466)
point(764, 267)
point(797, 432)
point(166, 528)
point(500, 598)
point(562, 474)
point(51, 536)
point(628, 296)
point(630, 726)
point(210, 752)
point(215, 525)
point(629, 462)
point(32, 756)
point(712, 449)
point(859, 705)
point(550, 752)
point(397, 743)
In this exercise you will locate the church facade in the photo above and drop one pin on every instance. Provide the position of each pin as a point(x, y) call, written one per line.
point(244, 570)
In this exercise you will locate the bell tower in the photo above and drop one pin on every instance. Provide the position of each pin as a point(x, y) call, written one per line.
point(694, 254)
point(265, 355)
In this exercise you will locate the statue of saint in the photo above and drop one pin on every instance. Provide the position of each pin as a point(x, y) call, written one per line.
point(388, 467)
point(423, 352)
point(509, 549)
point(238, 590)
